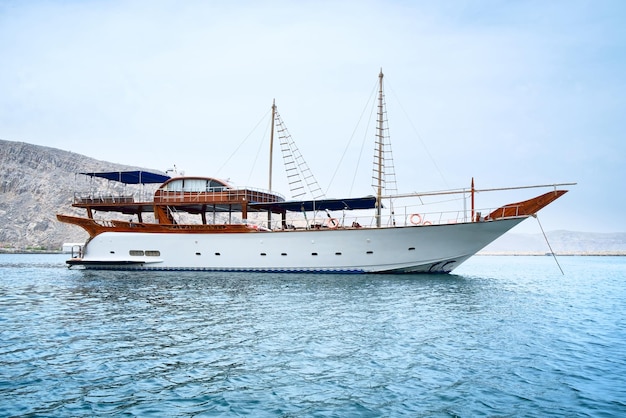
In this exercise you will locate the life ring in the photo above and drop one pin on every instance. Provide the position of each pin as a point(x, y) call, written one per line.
point(258, 228)
point(427, 223)
point(333, 223)
point(416, 219)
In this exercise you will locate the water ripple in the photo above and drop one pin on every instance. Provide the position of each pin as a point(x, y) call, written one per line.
point(496, 341)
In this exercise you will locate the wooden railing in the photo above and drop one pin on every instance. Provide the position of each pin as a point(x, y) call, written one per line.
point(237, 195)
point(86, 199)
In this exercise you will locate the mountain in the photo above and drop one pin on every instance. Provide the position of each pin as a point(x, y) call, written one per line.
point(561, 242)
point(36, 183)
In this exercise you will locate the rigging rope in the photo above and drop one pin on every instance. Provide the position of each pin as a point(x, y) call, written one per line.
point(419, 137)
point(347, 147)
point(383, 150)
point(243, 142)
point(299, 176)
point(256, 157)
point(547, 242)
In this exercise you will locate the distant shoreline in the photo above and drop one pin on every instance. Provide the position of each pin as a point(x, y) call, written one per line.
point(21, 251)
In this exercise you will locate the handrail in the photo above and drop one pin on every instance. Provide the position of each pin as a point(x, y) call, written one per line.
point(321, 220)
point(462, 191)
point(86, 198)
point(249, 194)
point(227, 195)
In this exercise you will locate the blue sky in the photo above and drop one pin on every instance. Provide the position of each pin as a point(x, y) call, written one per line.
point(509, 92)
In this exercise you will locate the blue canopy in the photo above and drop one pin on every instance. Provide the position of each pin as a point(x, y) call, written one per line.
point(368, 202)
point(131, 177)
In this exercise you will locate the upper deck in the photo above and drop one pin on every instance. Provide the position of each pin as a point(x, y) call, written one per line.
point(188, 194)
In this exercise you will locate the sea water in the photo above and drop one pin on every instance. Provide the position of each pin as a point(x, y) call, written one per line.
point(503, 336)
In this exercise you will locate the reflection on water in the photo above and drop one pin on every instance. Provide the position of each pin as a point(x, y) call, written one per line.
point(510, 337)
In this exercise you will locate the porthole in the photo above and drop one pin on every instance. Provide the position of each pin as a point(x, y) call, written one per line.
point(153, 253)
point(134, 253)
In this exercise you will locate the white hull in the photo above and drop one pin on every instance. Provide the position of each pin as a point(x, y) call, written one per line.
point(425, 249)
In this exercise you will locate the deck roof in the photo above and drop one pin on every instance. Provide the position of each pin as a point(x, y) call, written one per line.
point(368, 202)
point(131, 177)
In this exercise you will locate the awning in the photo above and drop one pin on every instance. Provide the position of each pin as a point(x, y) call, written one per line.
point(368, 202)
point(131, 177)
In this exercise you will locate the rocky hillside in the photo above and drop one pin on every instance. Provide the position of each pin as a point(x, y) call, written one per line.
point(561, 242)
point(36, 183)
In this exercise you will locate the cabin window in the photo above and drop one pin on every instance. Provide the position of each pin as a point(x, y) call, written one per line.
point(370, 252)
point(337, 253)
point(283, 253)
point(174, 186)
point(263, 254)
point(218, 254)
point(198, 254)
point(313, 253)
point(153, 253)
point(112, 252)
point(195, 185)
point(215, 186)
point(135, 253)
point(411, 248)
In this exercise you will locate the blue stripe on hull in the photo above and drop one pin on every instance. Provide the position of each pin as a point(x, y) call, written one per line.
point(231, 270)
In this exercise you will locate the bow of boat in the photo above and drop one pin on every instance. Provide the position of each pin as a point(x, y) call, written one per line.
point(527, 207)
